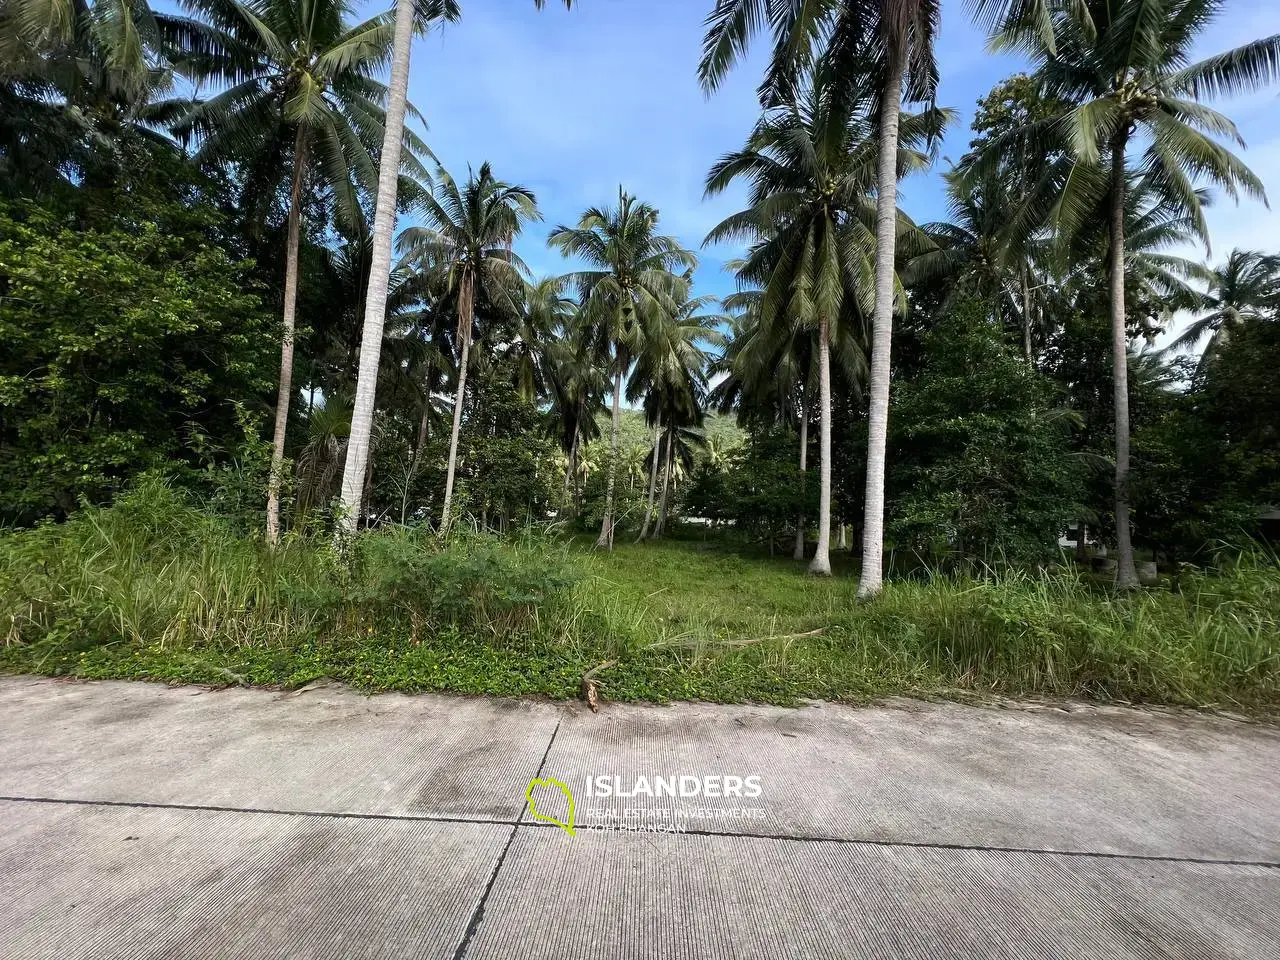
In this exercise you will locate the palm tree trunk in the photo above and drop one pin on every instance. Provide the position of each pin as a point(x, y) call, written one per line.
point(570, 464)
point(367, 495)
point(821, 563)
point(423, 427)
point(464, 307)
point(872, 578)
point(653, 480)
point(276, 476)
point(375, 304)
point(1025, 284)
point(669, 462)
point(804, 465)
point(1126, 574)
point(605, 539)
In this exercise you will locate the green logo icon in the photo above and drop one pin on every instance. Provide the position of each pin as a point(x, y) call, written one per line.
point(567, 823)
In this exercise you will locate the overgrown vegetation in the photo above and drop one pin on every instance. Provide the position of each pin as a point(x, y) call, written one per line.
point(156, 571)
point(156, 588)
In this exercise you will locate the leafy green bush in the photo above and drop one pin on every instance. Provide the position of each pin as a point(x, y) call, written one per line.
point(978, 450)
point(475, 581)
point(763, 492)
point(119, 342)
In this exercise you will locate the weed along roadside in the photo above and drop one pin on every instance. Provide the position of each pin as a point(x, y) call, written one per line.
point(156, 588)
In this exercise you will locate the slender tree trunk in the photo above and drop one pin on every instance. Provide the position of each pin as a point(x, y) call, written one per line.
point(571, 464)
point(804, 465)
point(841, 544)
point(276, 477)
point(668, 464)
point(367, 494)
point(1126, 574)
point(821, 562)
point(605, 539)
point(423, 428)
point(465, 304)
point(1025, 284)
point(1024, 271)
point(872, 579)
point(653, 479)
point(375, 304)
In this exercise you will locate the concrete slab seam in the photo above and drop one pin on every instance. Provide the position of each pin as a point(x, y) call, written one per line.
point(265, 811)
point(477, 916)
point(520, 822)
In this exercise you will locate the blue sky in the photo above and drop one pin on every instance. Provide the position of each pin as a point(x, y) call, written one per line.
point(572, 104)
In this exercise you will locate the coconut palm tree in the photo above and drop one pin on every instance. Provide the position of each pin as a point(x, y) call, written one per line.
point(542, 319)
point(126, 40)
point(683, 440)
point(1244, 289)
point(890, 46)
point(301, 93)
point(577, 383)
point(768, 371)
point(975, 255)
point(472, 228)
point(631, 290)
point(812, 163)
point(670, 379)
point(78, 82)
point(409, 15)
point(1126, 69)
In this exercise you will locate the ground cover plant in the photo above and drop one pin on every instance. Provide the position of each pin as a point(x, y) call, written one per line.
point(157, 588)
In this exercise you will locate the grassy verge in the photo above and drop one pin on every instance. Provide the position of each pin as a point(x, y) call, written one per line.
point(155, 589)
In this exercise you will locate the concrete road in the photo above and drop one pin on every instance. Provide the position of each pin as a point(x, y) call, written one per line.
point(144, 821)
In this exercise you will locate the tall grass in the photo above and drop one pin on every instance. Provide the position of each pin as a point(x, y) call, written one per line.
point(1216, 639)
point(156, 570)
point(155, 586)
point(1211, 638)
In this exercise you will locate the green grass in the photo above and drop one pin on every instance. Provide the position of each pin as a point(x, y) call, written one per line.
point(744, 626)
point(155, 589)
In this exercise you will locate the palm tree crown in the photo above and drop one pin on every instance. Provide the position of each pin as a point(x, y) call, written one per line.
point(299, 77)
point(811, 166)
point(1245, 289)
point(470, 243)
point(631, 290)
point(1124, 72)
point(634, 279)
point(469, 237)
